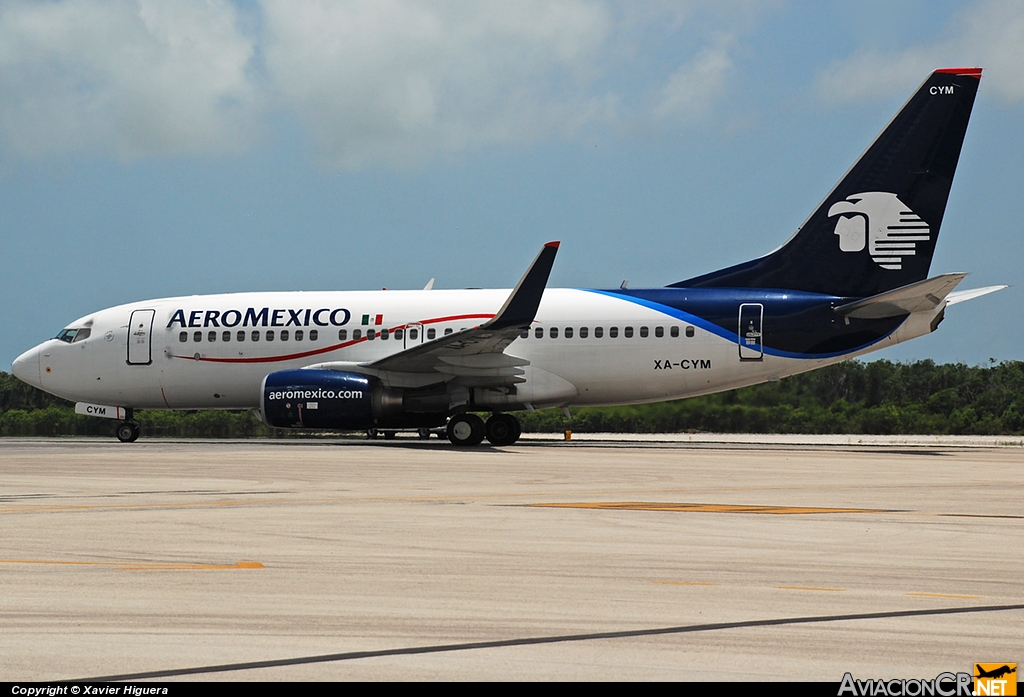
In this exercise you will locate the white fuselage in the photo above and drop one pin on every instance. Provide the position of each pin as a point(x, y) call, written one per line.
point(212, 352)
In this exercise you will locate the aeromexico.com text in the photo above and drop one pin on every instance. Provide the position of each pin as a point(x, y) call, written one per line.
point(315, 394)
point(262, 317)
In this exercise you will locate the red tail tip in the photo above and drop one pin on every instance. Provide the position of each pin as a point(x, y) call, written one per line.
point(553, 244)
point(970, 72)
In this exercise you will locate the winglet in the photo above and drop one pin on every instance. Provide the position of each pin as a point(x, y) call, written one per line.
point(521, 306)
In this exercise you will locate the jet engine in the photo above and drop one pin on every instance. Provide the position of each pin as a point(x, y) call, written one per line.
point(337, 401)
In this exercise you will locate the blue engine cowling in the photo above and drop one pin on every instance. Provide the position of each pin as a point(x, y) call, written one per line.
point(323, 399)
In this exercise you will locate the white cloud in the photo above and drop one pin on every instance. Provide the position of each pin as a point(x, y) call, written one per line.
point(988, 34)
point(391, 82)
point(129, 78)
point(691, 91)
point(400, 80)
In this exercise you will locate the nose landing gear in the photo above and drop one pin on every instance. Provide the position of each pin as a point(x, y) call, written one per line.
point(128, 431)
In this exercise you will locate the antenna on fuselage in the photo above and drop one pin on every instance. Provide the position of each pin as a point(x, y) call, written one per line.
point(430, 285)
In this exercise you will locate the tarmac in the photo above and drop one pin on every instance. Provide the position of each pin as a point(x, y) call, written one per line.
point(718, 558)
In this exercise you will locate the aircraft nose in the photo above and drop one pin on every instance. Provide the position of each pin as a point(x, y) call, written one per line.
point(26, 367)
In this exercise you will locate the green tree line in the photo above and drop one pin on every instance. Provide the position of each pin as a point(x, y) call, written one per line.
point(881, 397)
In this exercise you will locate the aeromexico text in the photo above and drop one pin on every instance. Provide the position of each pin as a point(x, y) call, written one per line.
point(263, 317)
point(316, 393)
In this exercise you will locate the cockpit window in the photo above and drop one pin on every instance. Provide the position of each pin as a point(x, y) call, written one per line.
point(73, 335)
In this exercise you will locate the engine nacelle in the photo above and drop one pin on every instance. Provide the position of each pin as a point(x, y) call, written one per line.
point(323, 399)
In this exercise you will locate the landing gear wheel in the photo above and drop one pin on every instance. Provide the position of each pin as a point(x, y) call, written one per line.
point(502, 429)
point(466, 429)
point(371, 433)
point(424, 433)
point(128, 431)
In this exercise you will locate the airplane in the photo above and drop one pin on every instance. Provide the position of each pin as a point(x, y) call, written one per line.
point(995, 673)
point(853, 279)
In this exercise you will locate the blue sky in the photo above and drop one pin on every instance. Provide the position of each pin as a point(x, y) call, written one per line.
point(152, 149)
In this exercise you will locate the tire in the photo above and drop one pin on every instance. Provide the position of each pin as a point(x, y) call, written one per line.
point(128, 432)
point(424, 433)
point(466, 430)
point(502, 429)
point(371, 433)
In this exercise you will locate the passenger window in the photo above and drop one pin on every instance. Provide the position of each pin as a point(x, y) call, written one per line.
point(553, 332)
point(384, 333)
point(613, 332)
point(211, 336)
point(659, 332)
point(447, 331)
point(584, 332)
point(568, 332)
point(398, 335)
point(298, 335)
point(627, 332)
point(343, 335)
point(225, 336)
point(357, 333)
point(431, 333)
point(370, 335)
point(270, 335)
point(598, 332)
point(689, 331)
point(284, 335)
point(644, 332)
point(183, 337)
point(525, 334)
point(240, 336)
point(539, 332)
point(255, 334)
point(414, 334)
point(313, 335)
point(197, 336)
point(674, 332)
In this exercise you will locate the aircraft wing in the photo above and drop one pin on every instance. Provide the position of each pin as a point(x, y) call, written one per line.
point(473, 357)
point(916, 297)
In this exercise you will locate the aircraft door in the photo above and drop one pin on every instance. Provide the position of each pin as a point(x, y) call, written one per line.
point(750, 332)
point(140, 337)
point(413, 335)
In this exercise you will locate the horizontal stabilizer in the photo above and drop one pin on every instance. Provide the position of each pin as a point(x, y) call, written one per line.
point(961, 295)
point(917, 297)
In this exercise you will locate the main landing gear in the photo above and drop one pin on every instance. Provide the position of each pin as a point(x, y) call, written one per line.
point(128, 431)
point(470, 429)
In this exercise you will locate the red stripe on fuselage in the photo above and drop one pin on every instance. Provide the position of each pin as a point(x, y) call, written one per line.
point(326, 349)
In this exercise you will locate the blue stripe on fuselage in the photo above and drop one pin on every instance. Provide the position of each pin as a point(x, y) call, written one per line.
point(796, 323)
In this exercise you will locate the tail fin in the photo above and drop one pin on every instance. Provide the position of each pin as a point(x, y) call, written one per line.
point(877, 229)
